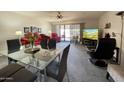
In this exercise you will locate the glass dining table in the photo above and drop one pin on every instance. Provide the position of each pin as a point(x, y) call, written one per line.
point(39, 60)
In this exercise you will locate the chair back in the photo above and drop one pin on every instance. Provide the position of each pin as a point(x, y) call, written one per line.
point(105, 49)
point(43, 44)
point(63, 64)
point(13, 45)
point(52, 44)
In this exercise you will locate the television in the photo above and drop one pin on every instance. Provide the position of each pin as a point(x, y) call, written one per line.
point(90, 33)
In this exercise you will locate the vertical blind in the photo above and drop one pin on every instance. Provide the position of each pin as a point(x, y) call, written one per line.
point(68, 31)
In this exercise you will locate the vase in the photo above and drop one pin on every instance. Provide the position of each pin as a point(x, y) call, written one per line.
point(32, 44)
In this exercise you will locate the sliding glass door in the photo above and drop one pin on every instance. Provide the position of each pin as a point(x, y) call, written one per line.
point(75, 31)
point(62, 32)
point(65, 32)
point(69, 31)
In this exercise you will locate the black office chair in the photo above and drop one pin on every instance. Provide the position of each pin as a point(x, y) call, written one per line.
point(104, 50)
point(52, 44)
point(57, 71)
point(13, 46)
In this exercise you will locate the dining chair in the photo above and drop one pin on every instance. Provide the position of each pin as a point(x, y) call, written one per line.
point(57, 71)
point(8, 70)
point(43, 44)
point(16, 73)
point(13, 46)
point(52, 44)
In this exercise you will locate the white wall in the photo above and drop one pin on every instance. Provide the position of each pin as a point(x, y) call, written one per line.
point(10, 22)
point(91, 23)
point(115, 27)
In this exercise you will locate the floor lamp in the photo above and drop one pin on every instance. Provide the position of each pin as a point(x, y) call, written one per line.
point(121, 44)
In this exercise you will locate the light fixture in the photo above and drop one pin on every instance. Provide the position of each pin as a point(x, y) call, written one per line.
point(49, 32)
point(59, 15)
point(18, 33)
point(121, 43)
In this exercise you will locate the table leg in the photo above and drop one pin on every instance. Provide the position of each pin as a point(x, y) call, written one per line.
point(40, 77)
point(45, 75)
point(67, 77)
point(59, 57)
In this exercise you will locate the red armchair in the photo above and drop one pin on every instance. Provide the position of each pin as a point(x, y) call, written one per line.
point(41, 37)
point(37, 41)
point(55, 36)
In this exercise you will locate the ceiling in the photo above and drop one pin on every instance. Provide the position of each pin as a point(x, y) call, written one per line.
point(50, 16)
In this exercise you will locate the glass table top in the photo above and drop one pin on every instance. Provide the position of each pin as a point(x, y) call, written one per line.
point(41, 59)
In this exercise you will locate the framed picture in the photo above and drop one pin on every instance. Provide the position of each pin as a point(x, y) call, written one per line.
point(34, 29)
point(26, 29)
point(39, 30)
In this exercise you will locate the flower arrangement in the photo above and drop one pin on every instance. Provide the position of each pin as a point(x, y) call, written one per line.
point(31, 37)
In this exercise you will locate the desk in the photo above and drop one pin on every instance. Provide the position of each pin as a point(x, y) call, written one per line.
point(41, 59)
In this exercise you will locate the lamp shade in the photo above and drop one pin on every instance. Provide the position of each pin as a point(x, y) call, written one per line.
point(18, 33)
